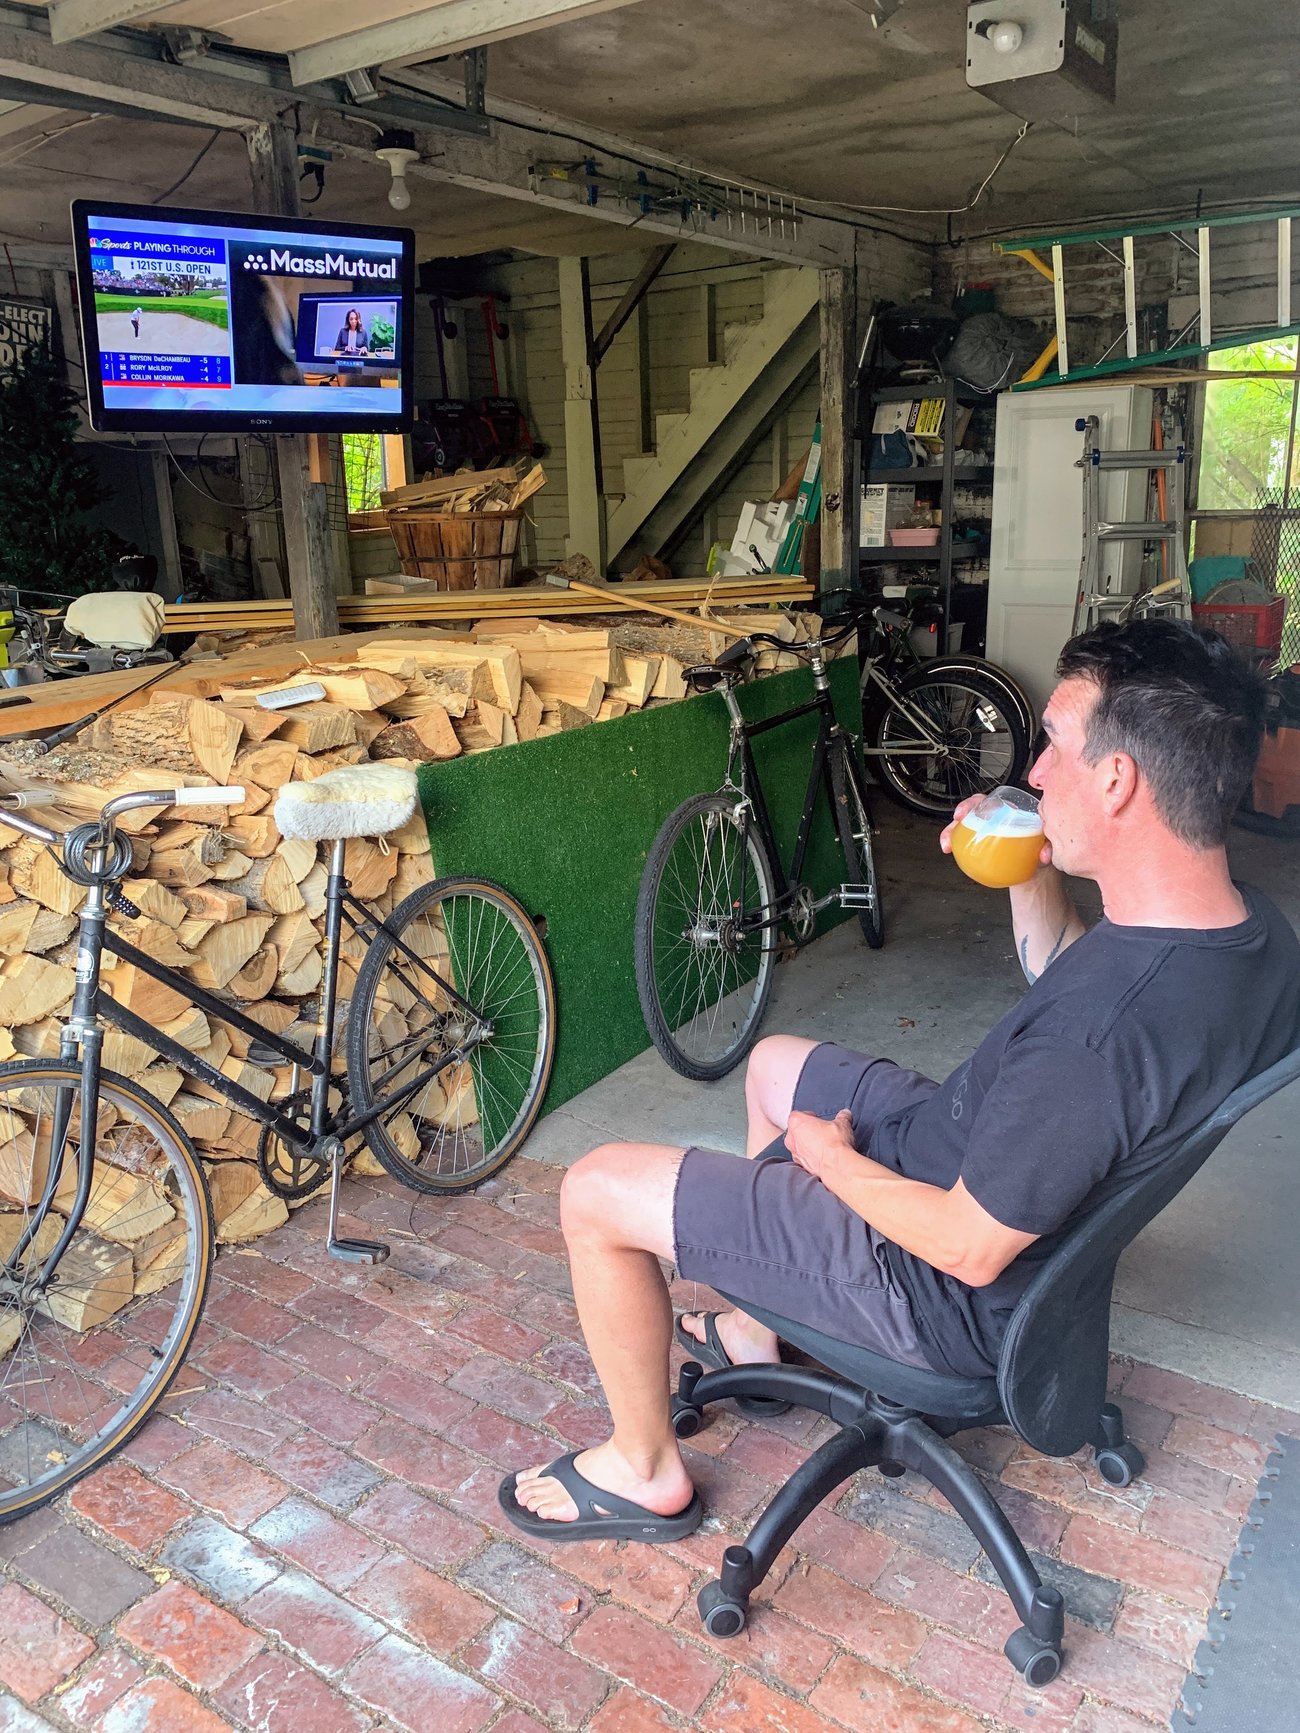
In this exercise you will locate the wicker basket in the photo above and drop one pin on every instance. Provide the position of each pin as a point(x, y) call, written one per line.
point(464, 550)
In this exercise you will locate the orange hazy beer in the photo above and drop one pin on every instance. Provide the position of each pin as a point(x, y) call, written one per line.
point(999, 841)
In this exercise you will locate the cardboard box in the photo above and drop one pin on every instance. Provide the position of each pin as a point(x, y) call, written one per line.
point(920, 416)
point(762, 526)
point(883, 507)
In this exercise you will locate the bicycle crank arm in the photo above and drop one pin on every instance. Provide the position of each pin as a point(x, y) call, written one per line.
point(349, 1251)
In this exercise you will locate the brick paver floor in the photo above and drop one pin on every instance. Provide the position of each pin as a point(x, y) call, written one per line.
point(308, 1540)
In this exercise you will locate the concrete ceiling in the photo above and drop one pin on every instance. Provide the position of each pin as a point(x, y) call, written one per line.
point(809, 99)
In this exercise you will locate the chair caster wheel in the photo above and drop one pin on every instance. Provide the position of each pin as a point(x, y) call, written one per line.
point(891, 1470)
point(1120, 1464)
point(720, 1615)
point(1037, 1662)
point(687, 1421)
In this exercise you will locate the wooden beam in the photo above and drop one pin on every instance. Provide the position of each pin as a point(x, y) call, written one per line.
point(241, 92)
point(273, 162)
point(581, 416)
point(70, 19)
point(449, 28)
point(840, 478)
point(632, 298)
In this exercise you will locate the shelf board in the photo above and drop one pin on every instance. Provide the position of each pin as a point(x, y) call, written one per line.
point(964, 475)
point(879, 556)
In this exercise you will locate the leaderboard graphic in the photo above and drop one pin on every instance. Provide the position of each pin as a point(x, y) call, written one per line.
point(195, 318)
point(162, 310)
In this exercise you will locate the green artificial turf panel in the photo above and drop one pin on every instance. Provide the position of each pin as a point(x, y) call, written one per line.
point(565, 824)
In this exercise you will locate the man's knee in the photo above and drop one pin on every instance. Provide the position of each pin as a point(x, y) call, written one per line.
point(620, 1192)
point(593, 1186)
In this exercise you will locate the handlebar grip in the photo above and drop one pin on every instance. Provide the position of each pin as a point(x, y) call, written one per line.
point(209, 797)
point(14, 800)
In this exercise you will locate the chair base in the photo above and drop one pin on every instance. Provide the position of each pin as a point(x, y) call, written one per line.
point(874, 1433)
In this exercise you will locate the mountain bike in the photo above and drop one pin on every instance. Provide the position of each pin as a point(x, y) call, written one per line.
point(715, 896)
point(106, 1226)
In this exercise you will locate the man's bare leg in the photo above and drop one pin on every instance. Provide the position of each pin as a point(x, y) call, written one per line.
point(770, 1080)
point(616, 1209)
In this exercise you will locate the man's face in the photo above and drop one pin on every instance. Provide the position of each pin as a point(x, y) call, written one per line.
point(1070, 789)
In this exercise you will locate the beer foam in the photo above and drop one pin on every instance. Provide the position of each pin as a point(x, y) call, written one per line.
point(1005, 821)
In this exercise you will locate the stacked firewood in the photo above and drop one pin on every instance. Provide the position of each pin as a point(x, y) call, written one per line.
point(234, 906)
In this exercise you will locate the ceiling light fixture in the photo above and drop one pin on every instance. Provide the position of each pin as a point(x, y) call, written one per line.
point(397, 149)
point(1003, 35)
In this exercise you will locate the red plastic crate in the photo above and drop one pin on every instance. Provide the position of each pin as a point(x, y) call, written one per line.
point(1246, 625)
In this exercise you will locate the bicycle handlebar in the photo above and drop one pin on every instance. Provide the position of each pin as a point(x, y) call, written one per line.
point(12, 800)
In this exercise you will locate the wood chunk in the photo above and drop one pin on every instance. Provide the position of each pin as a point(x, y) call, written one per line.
point(159, 1259)
point(35, 873)
point(154, 899)
point(199, 1118)
point(528, 717)
point(162, 1081)
point(161, 943)
point(482, 726)
point(212, 903)
point(227, 948)
point(257, 836)
point(126, 1053)
point(318, 727)
point(31, 988)
point(242, 1207)
point(190, 1029)
point(429, 736)
point(96, 1279)
point(269, 885)
point(669, 682)
point(638, 683)
point(192, 931)
point(233, 865)
point(269, 764)
point(123, 1207)
point(298, 982)
point(15, 923)
point(354, 688)
point(413, 836)
point(257, 724)
point(153, 1000)
point(369, 724)
point(298, 856)
point(581, 691)
point(450, 689)
point(369, 868)
point(310, 766)
point(257, 977)
point(49, 931)
point(217, 1050)
point(214, 735)
point(253, 1078)
point(312, 888)
point(272, 1014)
point(559, 718)
point(499, 667)
point(611, 709)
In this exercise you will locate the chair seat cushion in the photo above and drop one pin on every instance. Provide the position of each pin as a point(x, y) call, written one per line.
point(356, 800)
point(933, 1393)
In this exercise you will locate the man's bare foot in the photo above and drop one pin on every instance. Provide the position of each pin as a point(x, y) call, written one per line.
point(666, 1490)
point(747, 1343)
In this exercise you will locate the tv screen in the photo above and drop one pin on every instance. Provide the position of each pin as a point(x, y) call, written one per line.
point(204, 320)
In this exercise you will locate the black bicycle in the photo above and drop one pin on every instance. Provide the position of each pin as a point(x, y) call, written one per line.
point(106, 1229)
point(715, 897)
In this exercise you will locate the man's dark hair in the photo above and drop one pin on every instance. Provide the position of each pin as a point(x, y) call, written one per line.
point(1184, 706)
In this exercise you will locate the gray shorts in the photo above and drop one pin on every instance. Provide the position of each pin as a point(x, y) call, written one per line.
point(767, 1232)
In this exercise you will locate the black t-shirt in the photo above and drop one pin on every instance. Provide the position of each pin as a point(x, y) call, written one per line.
point(1112, 1057)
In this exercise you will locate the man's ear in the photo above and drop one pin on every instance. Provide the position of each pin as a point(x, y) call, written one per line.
point(1123, 780)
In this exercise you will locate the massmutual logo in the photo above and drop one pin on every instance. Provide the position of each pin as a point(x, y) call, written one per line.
point(281, 262)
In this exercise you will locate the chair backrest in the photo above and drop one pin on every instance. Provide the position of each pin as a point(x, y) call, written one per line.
point(1053, 1364)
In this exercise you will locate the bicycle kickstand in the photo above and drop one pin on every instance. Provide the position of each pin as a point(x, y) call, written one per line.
point(350, 1251)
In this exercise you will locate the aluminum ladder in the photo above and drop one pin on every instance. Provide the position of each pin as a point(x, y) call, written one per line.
point(1094, 601)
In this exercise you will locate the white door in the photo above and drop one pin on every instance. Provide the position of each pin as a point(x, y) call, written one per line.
point(1037, 528)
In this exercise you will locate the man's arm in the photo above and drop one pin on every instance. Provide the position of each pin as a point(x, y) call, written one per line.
point(947, 1229)
point(1044, 921)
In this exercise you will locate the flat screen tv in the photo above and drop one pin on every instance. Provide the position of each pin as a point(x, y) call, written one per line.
point(196, 321)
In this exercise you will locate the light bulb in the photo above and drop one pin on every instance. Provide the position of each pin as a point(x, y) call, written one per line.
point(399, 194)
point(1006, 36)
point(399, 158)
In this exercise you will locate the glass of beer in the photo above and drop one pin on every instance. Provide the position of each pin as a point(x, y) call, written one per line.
point(998, 841)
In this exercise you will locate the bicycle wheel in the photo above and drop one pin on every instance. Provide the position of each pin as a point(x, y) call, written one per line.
point(702, 981)
point(971, 741)
point(452, 1130)
point(1018, 700)
point(83, 1362)
point(853, 821)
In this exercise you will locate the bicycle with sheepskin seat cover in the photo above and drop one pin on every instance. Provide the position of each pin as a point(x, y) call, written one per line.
point(444, 1044)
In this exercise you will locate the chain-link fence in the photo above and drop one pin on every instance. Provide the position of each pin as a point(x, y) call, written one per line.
point(1275, 550)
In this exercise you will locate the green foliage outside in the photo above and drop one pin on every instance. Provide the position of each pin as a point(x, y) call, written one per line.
point(363, 469)
point(49, 487)
point(1247, 427)
point(210, 309)
point(383, 334)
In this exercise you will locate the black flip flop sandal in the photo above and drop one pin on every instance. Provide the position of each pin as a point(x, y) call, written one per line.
point(624, 1521)
point(711, 1354)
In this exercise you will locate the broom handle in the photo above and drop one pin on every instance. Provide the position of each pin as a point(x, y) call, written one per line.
point(654, 608)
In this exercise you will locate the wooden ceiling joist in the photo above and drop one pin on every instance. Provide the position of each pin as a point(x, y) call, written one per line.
point(71, 19)
point(448, 28)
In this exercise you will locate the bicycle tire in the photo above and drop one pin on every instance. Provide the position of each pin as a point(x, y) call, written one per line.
point(658, 923)
point(983, 743)
point(128, 1269)
point(462, 1140)
point(1017, 697)
point(853, 822)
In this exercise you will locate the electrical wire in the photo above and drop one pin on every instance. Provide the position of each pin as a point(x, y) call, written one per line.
point(949, 210)
point(48, 137)
point(163, 196)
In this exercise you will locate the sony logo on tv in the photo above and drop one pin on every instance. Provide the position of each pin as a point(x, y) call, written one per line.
point(324, 265)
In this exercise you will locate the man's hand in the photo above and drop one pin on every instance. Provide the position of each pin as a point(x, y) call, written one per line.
point(818, 1145)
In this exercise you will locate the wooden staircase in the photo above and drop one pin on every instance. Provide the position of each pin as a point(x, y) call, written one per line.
point(732, 403)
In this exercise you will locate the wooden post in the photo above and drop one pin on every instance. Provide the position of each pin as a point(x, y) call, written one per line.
point(840, 478)
point(273, 162)
point(169, 547)
point(581, 417)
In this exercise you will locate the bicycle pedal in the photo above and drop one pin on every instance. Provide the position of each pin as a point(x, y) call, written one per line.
point(358, 1251)
point(856, 897)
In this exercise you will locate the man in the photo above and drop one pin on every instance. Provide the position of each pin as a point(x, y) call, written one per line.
point(913, 1214)
point(135, 321)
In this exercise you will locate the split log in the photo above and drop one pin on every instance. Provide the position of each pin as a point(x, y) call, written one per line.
point(269, 885)
point(318, 727)
point(582, 691)
point(35, 873)
point(242, 1207)
point(153, 1000)
point(233, 865)
point(369, 868)
point(152, 898)
point(210, 903)
point(257, 836)
point(298, 856)
point(255, 980)
point(640, 674)
point(269, 764)
point(31, 988)
point(528, 717)
point(482, 726)
point(429, 736)
point(448, 689)
point(15, 924)
point(227, 948)
point(200, 1118)
point(559, 718)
